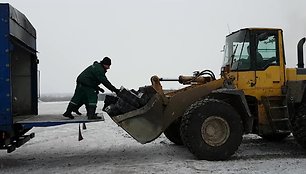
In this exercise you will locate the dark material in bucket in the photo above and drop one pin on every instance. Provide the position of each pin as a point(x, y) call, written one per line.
point(109, 99)
point(129, 97)
point(127, 100)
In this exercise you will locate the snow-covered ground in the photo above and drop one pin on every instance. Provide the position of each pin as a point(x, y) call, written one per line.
point(106, 148)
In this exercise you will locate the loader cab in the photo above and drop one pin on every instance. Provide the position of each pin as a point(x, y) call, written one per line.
point(249, 50)
point(256, 61)
point(254, 58)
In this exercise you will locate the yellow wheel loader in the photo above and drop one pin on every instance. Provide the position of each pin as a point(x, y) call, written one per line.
point(255, 94)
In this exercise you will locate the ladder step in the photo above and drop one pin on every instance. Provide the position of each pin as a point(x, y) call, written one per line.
point(278, 107)
point(280, 119)
point(274, 98)
point(283, 131)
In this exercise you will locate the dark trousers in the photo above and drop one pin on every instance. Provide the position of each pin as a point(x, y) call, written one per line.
point(84, 95)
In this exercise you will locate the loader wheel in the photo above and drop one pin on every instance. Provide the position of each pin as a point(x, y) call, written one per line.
point(298, 123)
point(211, 129)
point(173, 132)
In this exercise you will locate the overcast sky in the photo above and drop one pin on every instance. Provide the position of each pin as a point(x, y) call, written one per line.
point(167, 38)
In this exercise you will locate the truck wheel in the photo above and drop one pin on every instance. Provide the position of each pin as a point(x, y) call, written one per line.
point(173, 132)
point(298, 123)
point(211, 129)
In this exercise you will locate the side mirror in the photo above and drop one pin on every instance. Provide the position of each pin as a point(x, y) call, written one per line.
point(223, 49)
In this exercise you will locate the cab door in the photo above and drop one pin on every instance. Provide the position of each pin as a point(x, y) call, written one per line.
point(257, 67)
point(269, 75)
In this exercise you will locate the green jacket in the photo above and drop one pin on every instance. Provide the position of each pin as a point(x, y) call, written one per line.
point(93, 76)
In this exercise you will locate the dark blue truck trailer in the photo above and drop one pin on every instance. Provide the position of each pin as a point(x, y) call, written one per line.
point(19, 81)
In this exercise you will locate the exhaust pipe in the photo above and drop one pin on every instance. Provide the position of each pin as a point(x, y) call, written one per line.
point(300, 53)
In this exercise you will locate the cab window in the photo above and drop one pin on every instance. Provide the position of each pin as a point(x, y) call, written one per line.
point(266, 52)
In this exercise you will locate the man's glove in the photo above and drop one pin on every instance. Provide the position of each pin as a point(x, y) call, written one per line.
point(116, 91)
point(100, 89)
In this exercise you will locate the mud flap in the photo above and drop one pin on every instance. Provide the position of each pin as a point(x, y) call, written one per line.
point(80, 133)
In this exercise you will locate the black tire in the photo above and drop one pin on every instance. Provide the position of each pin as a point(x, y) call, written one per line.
point(129, 97)
point(275, 137)
point(298, 123)
point(173, 132)
point(211, 129)
point(124, 107)
point(109, 99)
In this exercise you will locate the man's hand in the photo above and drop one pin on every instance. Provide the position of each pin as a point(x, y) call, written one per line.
point(101, 90)
point(116, 91)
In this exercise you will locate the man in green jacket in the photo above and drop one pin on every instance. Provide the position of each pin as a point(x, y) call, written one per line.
point(87, 89)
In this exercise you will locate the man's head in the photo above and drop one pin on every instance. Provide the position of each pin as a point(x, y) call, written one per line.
point(106, 62)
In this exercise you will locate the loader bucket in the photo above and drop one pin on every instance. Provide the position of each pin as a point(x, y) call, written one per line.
point(143, 124)
point(148, 122)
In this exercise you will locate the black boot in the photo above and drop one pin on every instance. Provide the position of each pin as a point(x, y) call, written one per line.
point(91, 113)
point(69, 109)
point(77, 112)
point(76, 108)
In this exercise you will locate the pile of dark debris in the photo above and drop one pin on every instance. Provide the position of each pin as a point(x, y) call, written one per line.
point(127, 100)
